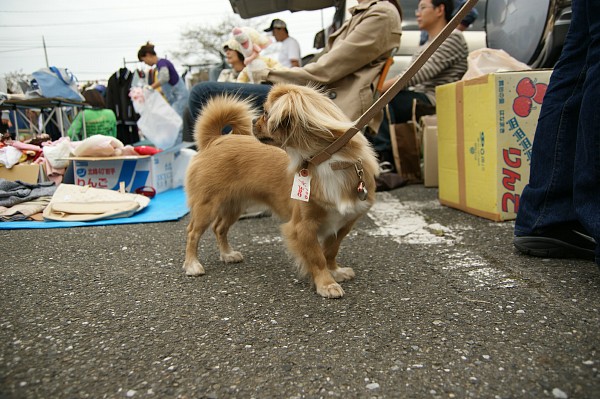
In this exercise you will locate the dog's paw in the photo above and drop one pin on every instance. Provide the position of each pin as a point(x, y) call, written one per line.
point(232, 257)
point(333, 290)
point(342, 274)
point(193, 268)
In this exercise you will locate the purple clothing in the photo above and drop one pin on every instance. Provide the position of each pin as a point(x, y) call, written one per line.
point(173, 75)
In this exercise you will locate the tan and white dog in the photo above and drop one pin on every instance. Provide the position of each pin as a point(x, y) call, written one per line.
point(232, 171)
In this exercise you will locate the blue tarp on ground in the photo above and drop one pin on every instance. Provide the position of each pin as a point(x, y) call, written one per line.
point(166, 206)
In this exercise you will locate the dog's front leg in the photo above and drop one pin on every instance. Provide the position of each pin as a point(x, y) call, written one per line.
point(331, 246)
point(301, 237)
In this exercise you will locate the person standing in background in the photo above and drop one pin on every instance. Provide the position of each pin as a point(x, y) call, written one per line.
point(289, 55)
point(171, 84)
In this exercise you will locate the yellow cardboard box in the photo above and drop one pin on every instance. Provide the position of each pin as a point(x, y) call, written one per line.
point(485, 133)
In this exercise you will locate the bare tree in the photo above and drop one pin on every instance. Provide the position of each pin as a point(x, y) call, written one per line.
point(202, 45)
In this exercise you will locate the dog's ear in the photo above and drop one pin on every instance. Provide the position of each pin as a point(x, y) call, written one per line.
point(278, 109)
point(303, 117)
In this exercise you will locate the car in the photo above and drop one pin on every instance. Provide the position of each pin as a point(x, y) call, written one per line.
point(533, 32)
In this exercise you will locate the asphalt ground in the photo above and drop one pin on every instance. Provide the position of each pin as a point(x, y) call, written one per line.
point(441, 307)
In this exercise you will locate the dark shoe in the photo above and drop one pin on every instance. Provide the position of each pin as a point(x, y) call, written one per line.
point(560, 241)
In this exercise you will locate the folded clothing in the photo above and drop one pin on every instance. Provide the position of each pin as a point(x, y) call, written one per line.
point(16, 192)
point(24, 211)
point(83, 203)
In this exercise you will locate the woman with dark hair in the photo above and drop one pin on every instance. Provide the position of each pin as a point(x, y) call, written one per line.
point(98, 120)
point(168, 79)
point(234, 57)
point(348, 68)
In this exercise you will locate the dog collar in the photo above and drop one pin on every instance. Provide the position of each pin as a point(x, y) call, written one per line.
point(361, 189)
point(339, 165)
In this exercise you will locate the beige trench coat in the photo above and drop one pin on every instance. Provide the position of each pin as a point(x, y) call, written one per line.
point(353, 59)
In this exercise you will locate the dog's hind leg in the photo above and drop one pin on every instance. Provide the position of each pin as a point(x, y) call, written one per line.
point(195, 229)
point(221, 227)
point(301, 237)
point(331, 246)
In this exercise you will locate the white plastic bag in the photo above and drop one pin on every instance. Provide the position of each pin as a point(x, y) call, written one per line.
point(487, 60)
point(158, 121)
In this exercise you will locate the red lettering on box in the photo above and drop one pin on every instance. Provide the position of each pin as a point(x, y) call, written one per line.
point(509, 179)
point(102, 182)
point(513, 163)
point(95, 183)
point(512, 197)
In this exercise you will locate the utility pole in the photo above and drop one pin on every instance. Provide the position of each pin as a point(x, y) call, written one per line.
point(45, 52)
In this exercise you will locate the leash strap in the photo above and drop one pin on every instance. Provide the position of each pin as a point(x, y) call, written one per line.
point(398, 85)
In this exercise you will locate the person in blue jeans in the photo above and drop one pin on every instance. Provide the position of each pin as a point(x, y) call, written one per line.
point(559, 210)
point(347, 68)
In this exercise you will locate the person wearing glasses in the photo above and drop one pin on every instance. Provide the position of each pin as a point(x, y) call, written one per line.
point(464, 24)
point(448, 64)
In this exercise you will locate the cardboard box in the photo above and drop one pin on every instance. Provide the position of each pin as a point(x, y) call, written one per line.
point(485, 135)
point(26, 173)
point(154, 171)
point(428, 127)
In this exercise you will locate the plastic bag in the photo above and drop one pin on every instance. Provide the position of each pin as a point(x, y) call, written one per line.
point(487, 60)
point(99, 146)
point(56, 82)
point(159, 122)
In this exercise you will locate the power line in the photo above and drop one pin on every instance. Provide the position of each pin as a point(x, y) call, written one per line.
point(20, 49)
point(171, 5)
point(115, 21)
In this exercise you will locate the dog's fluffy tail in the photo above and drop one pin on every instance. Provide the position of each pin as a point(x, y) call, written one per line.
point(221, 112)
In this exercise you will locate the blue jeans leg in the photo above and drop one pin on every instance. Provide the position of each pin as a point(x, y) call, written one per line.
point(587, 158)
point(564, 183)
point(204, 91)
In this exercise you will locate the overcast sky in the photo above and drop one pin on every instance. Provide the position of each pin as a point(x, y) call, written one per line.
point(94, 38)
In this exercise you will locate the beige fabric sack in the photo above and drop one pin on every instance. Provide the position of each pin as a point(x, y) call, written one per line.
point(72, 203)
